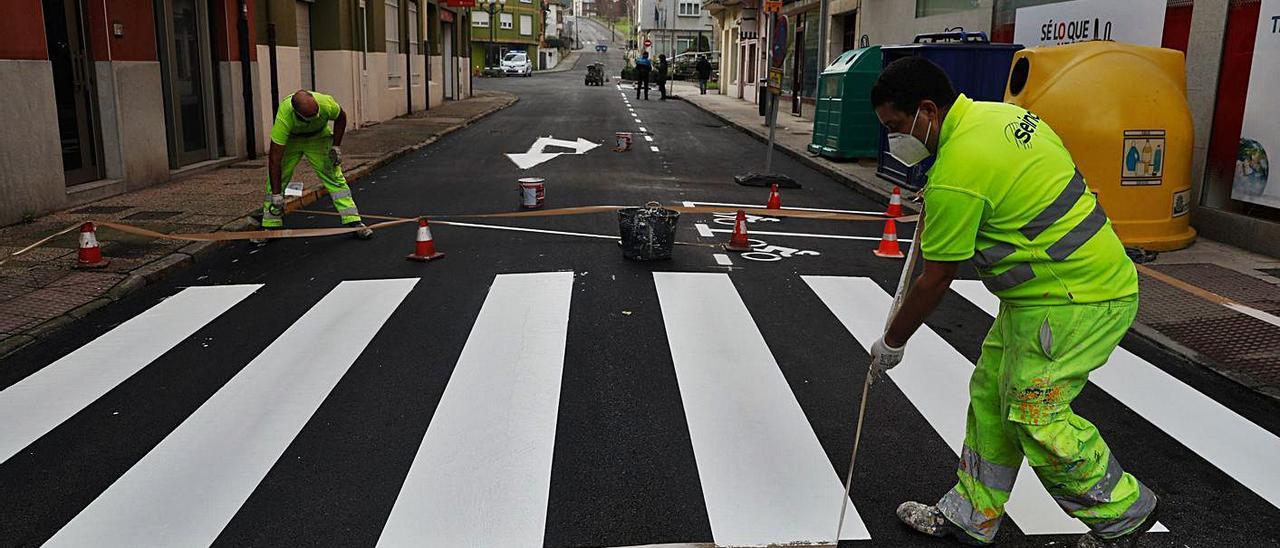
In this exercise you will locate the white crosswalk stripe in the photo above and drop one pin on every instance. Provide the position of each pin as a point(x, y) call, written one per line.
point(482, 474)
point(42, 401)
point(1238, 447)
point(187, 488)
point(745, 422)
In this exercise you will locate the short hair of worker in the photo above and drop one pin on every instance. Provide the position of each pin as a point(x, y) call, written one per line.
point(908, 81)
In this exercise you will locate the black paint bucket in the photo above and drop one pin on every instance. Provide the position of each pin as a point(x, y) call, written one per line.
point(648, 233)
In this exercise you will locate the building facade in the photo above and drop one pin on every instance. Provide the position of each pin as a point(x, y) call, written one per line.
point(674, 26)
point(516, 26)
point(107, 97)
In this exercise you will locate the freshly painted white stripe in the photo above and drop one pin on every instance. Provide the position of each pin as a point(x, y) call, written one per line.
point(653, 148)
point(765, 478)
point(185, 490)
point(46, 398)
point(809, 235)
point(483, 472)
point(723, 260)
point(850, 211)
point(687, 204)
point(534, 230)
point(1242, 449)
point(639, 122)
point(643, 130)
point(934, 377)
point(1250, 311)
point(704, 230)
point(648, 138)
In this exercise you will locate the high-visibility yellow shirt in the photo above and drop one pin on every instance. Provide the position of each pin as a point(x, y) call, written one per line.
point(288, 125)
point(1005, 193)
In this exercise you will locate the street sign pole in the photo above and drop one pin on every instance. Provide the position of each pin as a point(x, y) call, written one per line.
point(777, 35)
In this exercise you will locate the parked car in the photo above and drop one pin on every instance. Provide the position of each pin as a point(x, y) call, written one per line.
point(517, 63)
point(682, 66)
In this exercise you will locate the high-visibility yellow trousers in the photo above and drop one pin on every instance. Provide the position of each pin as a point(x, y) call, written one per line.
point(1035, 360)
point(316, 150)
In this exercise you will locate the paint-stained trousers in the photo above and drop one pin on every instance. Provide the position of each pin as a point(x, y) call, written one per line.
point(1035, 360)
point(316, 150)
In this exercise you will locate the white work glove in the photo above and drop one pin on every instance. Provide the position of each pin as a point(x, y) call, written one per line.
point(335, 156)
point(277, 204)
point(884, 357)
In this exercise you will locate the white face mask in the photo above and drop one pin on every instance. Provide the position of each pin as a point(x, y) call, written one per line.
point(906, 148)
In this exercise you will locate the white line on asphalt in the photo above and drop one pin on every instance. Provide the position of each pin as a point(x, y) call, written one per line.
point(808, 235)
point(648, 138)
point(722, 259)
point(46, 398)
point(638, 121)
point(704, 230)
point(643, 130)
point(1255, 313)
point(752, 206)
point(654, 149)
point(482, 475)
point(523, 229)
point(1242, 449)
point(765, 477)
point(933, 376)
point(188, 487)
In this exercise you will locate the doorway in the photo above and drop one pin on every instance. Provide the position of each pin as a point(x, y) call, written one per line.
point(187, 79)
point(450, 69)
point(73, 91)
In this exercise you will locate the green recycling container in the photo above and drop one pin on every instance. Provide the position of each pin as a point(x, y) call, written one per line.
point(844, 124)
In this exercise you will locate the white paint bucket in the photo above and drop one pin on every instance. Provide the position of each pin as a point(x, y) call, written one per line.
point(532, 192)
point(624, 140)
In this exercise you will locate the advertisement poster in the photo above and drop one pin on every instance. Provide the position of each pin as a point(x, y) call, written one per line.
point(1260, 135)
point(1133, 21)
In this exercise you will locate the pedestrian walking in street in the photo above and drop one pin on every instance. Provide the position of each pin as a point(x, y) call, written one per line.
point(643, 67)
point(660, 75)
point(302, 129)
point(1005, 194)
point(703, 70)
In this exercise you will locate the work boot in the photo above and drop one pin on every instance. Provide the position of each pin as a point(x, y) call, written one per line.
point(930, 521)
point(365, 233)
point(1127, 540)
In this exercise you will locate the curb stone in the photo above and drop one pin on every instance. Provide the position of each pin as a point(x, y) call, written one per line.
point(189, 254)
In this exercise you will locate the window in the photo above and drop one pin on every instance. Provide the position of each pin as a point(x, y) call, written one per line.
point(395, 65)
point(684, 44)
point(415, 46)
point(480, 18)
point(690, 9)
point(526, 25)
point(504, 21)
point(926, 8)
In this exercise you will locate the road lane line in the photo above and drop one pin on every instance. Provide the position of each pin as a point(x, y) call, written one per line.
point(808, 235)
point(39, 403)
point(1243, 450)
point(723, 259)
point(648, 138)
point(643, 130)
point(482, 475)
point(534, 230)
point(750, 206)
point(704, 230)
point(638, 121)
point(933, 376)
point(188, 487)
point(653, 149)
point(765, 478)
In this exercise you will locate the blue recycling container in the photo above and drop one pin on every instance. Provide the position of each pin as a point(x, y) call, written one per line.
point(978, 69)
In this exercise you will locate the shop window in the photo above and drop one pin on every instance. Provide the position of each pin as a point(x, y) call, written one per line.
point(927, 8)
point(1177, 20)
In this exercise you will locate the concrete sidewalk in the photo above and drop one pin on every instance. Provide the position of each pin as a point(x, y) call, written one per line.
point(1213, 304)
point(568, 63)
point(39, 291)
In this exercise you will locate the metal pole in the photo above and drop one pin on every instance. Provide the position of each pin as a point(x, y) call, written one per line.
point(246, 80)
point(773, 104)
point(824, 8)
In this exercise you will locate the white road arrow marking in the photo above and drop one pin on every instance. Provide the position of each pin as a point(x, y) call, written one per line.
point(537, 151)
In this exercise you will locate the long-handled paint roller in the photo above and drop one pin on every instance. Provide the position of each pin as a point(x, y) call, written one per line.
point(904, 283)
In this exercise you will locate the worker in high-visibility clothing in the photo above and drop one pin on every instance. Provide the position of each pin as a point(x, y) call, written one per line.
point(302, 129)
point(1004, 194)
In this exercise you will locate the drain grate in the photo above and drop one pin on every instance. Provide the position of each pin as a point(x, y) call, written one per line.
point(1240, 342)
point(1160, 303)
point(152, 215)
point(101, 210)
point(1224, 281)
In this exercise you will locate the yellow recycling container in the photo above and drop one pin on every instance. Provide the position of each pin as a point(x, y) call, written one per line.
point(1122, 111)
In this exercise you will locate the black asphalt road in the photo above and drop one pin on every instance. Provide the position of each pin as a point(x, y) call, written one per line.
point(624, 471)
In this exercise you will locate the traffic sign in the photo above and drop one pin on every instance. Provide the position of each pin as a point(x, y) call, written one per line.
point(778, 42)
point(775, 81)
point(772, 6)
point(648, 43)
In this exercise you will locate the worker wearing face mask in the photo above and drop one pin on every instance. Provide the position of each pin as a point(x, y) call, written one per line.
point(1005, 194)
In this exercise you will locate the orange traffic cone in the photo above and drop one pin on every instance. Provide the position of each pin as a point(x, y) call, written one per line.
point(895, 204)
point(889, 242)
point(90, 254)
point(739, 240)
point(425, 248)
point(775, 200)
